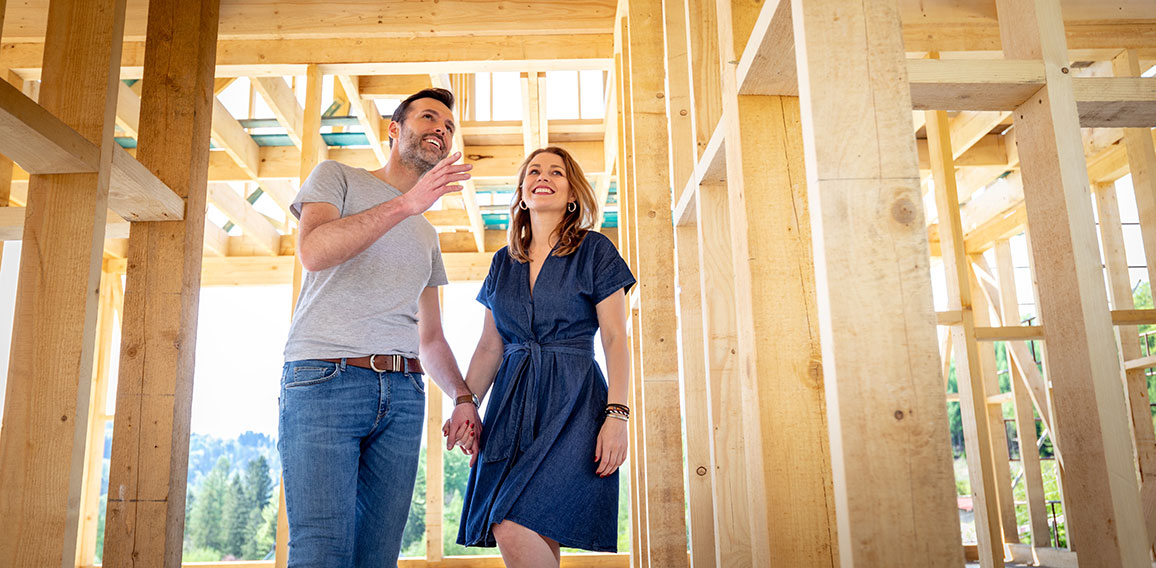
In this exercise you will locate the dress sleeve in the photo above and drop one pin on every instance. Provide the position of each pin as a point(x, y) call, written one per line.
point(610, 271)
point(488, 284)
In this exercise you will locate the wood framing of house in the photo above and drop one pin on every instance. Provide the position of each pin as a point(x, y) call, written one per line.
point(787, 176)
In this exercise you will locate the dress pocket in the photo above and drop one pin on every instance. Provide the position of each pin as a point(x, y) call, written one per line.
point(311, 374)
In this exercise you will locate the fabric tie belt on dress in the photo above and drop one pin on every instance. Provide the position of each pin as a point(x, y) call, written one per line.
point(519, 402)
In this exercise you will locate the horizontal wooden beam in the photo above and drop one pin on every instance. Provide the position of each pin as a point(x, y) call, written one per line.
point(38, 141)
point(136, 194)
point(1124, 102)
point(1009, 333)
point(1133, 317)
point(392, 86)
point(364, 56)
point(1141, 363)
point(965, 84)
point(357, 20)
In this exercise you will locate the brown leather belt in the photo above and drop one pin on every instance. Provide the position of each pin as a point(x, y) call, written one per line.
point(383, 363)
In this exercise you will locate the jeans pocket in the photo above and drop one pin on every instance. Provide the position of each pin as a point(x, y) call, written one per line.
point(312, 373)
point(418, 382)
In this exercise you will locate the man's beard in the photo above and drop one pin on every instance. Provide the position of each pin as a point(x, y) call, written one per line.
point(416, 156)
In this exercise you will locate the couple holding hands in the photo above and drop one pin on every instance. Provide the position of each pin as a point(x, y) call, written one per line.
point(544, 461)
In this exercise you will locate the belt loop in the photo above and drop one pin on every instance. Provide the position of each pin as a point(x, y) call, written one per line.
point(341, 365)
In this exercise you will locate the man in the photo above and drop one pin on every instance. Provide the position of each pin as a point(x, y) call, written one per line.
point(352, 396)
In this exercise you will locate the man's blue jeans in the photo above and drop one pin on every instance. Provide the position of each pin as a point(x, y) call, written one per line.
point(349, 441)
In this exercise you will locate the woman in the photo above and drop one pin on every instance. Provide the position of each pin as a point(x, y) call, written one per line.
point(554, 432)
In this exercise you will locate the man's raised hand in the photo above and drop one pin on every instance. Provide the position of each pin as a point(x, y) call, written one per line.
point(437, 182)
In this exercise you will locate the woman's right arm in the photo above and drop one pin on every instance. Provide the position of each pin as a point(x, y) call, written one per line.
point(487, 358)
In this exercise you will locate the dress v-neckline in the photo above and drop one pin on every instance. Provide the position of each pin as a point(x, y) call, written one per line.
point(531, 280)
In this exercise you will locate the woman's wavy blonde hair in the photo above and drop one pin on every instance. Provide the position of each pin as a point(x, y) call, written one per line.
point(574, 224)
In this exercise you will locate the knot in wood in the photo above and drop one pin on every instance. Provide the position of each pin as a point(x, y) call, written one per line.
point(899, 415)
point(903, 210)
point(701, 471)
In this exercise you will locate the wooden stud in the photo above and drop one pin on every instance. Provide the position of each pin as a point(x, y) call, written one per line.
point(894, 496)
point(982, 308)
point(531, 113)
point(145, 516)
point(39, 141)
point(1025, 417)
point(1135, 379)
point(666, 525)
point(434, 468)
point(313, 148)
point(1088, 405)
point(54, 327)
point(977, 435)
point(724, 383)
point(110, 297)
point(694, 385)
point(779, 360)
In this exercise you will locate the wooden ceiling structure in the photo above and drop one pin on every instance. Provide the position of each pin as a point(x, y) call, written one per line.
point(771, 158)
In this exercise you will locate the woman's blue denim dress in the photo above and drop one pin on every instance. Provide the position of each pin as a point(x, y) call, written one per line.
point(545, 408)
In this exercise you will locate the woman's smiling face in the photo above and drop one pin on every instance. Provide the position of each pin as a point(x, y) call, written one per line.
point(546, 187)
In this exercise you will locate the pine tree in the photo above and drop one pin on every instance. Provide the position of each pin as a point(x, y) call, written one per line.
point(206, 519)
point(235, 518)
point(258, 486)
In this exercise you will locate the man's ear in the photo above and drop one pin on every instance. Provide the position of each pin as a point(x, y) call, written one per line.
point(394, 130)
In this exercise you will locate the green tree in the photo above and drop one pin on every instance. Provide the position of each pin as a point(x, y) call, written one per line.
point(257, 488)
point(206, 520)
point(235, 517)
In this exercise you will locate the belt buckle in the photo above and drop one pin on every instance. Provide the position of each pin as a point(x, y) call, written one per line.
point(395, 358)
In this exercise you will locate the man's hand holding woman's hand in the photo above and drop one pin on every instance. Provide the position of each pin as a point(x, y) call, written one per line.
point(464, 428)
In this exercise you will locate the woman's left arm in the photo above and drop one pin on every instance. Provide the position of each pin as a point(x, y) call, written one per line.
point(611, 449)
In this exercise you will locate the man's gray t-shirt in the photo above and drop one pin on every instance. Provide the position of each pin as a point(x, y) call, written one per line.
point(368, 304)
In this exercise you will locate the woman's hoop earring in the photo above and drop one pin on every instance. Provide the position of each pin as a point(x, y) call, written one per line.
point(522, 205)
point(572, 206)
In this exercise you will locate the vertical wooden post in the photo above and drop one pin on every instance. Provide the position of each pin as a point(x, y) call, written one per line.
point(724, 384)
point(894, 495)
point(434, 465)
point(977, 435)
point(695, 396)
point(1082, 361)
point(94, 455)
point(662, 429)
point(146, 505)
point(628, 244)
point(1135, 380)
point(1001, 491)
point(1025, 417)
point(704, 62)
point(1142, 165)
point(53, 335)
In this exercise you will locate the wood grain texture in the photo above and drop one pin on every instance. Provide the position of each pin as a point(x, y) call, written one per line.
point(148, 471)
point(1089, 410)
point(894, 496)
point(666, 524)
point(42, 451)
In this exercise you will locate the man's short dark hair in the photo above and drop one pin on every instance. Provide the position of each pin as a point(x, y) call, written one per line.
point(443, 96)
